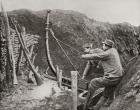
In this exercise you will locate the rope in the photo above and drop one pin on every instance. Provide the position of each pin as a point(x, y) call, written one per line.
point(63, 50)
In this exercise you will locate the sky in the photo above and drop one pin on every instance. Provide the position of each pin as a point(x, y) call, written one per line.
point(113, 11)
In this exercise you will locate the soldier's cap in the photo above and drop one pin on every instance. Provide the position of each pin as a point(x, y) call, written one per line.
point(108, 42)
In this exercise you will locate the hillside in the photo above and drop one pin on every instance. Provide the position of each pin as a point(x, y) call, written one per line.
point(76, 29)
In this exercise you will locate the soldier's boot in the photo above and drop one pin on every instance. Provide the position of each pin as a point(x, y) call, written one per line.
point(99, 104)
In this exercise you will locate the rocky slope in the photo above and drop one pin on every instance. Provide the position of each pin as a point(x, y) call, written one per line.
point(76, 29)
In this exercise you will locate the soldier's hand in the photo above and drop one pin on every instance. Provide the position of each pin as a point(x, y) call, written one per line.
point(82, 56)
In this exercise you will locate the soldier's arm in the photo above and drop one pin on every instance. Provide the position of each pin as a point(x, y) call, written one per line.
point(96, 56)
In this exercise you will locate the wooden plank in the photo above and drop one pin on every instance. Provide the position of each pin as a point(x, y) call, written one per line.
point(74, 89)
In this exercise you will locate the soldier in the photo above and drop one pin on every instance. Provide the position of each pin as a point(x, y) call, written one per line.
point(113, 72)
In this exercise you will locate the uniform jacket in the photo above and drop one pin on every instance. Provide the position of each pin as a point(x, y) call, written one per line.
point(110, 61)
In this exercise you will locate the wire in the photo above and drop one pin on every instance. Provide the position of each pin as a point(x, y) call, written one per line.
point(70, 46)
point(63, 50)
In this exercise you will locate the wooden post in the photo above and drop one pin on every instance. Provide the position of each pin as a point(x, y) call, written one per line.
point(74, 89)
point(57, 73)
point(59, 76)
point(10, 47)
point(60, 79)
point(19, 61)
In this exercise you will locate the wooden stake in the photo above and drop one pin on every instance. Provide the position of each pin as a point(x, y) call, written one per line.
point(59, 76)
point(57, 71)
point(74, 89)
point(60, 79)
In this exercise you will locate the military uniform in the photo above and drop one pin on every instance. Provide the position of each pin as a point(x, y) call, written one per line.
point(113, 70)
point(111, 64)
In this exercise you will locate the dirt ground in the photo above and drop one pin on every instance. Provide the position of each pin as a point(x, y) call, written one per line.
point(27, 96)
